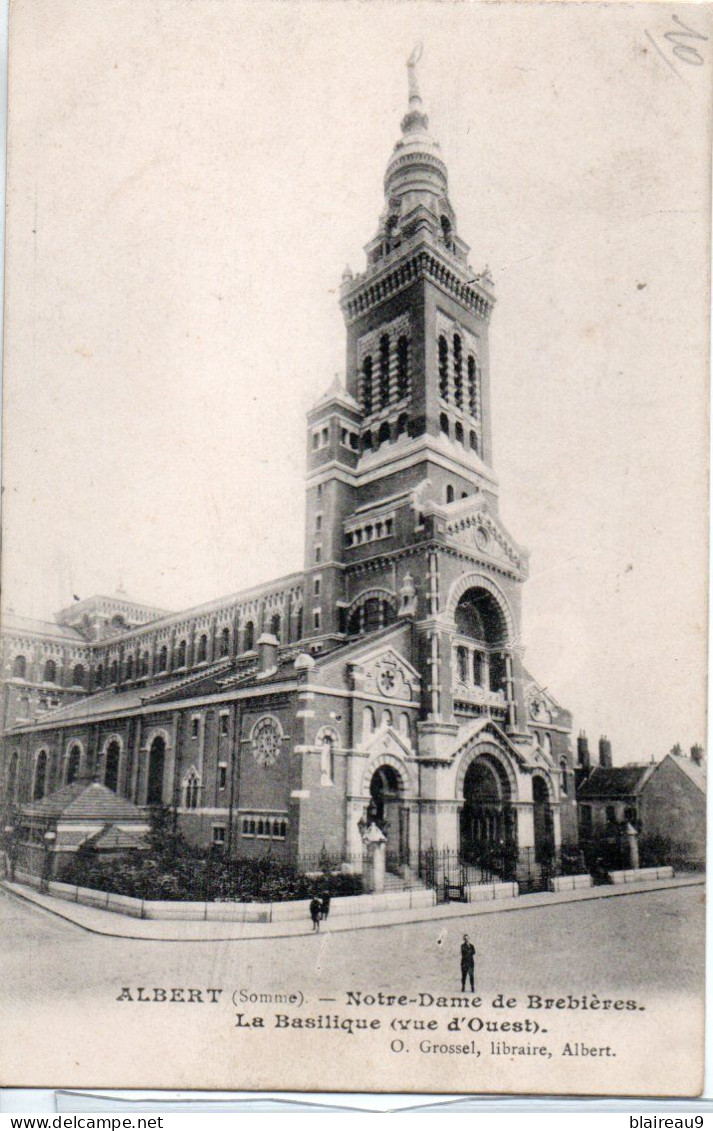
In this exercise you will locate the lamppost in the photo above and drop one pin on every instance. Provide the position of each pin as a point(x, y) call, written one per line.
point(49, 839)
point(11, 849)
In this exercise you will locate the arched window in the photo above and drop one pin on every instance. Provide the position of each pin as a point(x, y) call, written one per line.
point(473, 439)
point(191, 791)
point(384, 433)
point(162, 659)
point(181, 655)
point(261, 827)
point(38, 786)
point(327, 760)
point(113, 671)
point(446, 230)
point(450, 494)
point(19, 667)
point(50, 672)
point(443, 367)
point(225, 642)
point(298, 627)
point(129, 669)
point(402, 425)
point(369, 722)
point(99, 676)
point(459, 432)
point(444, 424)
point(384, 365)
point(157, 759)
point(367, 385)
point(202, 653)
point(367, 442)
point(74, 762)
point(249, 637)
point(402, 367)
point(111, 765)
point(275, 625)
point(472, 387)
point(457, 371)
point(405, 725)
point(563, 776)
point(78, 675)
point(145, 664)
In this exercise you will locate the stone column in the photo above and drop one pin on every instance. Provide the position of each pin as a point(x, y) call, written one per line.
point(632, 844)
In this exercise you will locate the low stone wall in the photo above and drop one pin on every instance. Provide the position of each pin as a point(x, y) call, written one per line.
point(286, 912)
point(476, 893)
point(633, 875)
point(570, 883)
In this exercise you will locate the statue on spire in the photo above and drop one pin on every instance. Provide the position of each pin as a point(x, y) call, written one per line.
point(414, 94)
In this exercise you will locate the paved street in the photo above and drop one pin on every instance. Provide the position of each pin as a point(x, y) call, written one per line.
point(635, 942)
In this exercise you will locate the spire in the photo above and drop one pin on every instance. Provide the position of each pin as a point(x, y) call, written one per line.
point(415, 118)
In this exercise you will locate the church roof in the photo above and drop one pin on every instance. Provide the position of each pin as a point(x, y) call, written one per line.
point(12, 624)
point(337, 392)
point(86, 800)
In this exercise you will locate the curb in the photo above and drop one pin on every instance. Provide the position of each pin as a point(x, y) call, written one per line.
point(443, 911)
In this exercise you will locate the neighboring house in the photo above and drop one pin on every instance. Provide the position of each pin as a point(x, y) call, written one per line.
point(664, 801)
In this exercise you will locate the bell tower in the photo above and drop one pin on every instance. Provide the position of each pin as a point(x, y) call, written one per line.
point(417, 329)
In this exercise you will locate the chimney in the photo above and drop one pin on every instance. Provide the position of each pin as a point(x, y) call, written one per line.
point(697, 754)
point(267, 647)
point(605, 752)
point(583, 756)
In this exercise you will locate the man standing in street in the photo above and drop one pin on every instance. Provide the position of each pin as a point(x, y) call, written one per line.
point(467, 964)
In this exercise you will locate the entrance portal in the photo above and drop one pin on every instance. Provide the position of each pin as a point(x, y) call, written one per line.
point(542, 816)
point(157, 758)
point(387, 810)
point(487, 821)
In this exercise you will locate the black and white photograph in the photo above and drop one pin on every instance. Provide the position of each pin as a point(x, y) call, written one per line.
point(355, 546)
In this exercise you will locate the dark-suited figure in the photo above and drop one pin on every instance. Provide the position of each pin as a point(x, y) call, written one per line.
point(315, 910)
point(326, 900)
point(467, 964)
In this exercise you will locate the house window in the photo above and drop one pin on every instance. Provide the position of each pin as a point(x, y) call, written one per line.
point(611, 814)
point(317, 554)
point(317, 583)
point(224, 723)
point(317, 618)
point(219, 835)
point(222, 775)
point(317, 523)
point(195, 726)
point(450, 494)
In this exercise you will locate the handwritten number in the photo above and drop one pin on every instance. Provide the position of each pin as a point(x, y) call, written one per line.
point(685, 52)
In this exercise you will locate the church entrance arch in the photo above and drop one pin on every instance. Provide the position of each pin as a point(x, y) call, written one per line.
point(487, 819)
point(386, 809)
point(157, 760)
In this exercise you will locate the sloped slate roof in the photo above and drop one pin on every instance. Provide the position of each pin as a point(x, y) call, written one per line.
point(12, 623)
point(86, 800)
point(614, 781)
point(696, 773)
point(111, 836)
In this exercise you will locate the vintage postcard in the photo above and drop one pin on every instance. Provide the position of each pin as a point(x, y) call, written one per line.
point(355, 546)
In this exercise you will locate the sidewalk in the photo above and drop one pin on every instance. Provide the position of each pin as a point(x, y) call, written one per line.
point(113, 925)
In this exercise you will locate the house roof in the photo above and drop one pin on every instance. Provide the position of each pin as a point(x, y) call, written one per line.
point(691, 769)
point(614, 781)
point(88, 800)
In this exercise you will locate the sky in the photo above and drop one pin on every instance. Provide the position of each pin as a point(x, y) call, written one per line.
point(187, 181)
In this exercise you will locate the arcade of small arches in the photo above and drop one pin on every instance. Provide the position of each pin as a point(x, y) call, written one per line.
point(386, 721)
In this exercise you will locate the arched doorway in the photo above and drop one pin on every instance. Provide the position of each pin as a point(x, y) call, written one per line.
point(488, 836)
point(157, 759)
point(111, 765)
point(542, 818)
point(386, 809)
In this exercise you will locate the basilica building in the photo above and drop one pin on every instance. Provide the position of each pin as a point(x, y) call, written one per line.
point(385, 682)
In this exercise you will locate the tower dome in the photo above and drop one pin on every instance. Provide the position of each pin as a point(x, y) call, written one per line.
point(416, 165)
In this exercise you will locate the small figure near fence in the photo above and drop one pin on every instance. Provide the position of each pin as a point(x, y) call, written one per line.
point(315, 910)
point(467, 964)
point(326, 900)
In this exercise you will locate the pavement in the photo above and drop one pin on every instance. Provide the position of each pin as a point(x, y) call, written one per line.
point(115, 925)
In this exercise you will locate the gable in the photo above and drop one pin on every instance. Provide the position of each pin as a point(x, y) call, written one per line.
point(474, 528)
